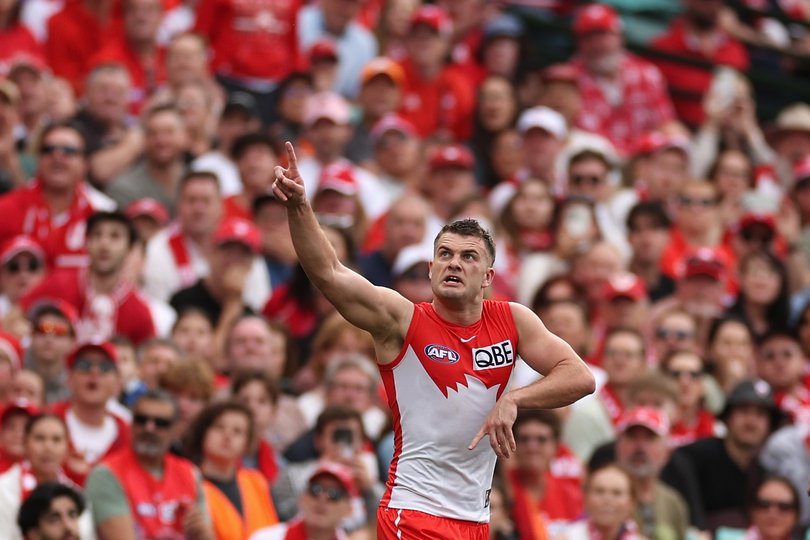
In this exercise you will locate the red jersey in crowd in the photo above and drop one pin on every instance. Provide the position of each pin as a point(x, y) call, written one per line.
point(61, 236)
point(75, 35)
point(101, 316)
point(445, 103)
point(251, 39)
point(643, 105)
point(688, 83)
point(145, 79)
point(681, 434)
point(17, 42)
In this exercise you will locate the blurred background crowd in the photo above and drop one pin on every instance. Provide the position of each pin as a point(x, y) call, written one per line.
point(644, 167)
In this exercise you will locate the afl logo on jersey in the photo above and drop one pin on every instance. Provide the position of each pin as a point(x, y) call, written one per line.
point(441, 354)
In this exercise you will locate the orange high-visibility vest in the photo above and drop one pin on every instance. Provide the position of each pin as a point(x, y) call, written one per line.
point(257, 506)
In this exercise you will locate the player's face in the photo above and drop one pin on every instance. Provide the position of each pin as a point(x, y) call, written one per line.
point(61, 522)
point(461, 268)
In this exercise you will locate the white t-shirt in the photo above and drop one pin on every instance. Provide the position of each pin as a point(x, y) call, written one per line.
point(91, 442)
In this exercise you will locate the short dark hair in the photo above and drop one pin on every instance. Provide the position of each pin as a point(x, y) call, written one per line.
point(468, 227)
point(37, 418)
point(192, 176)
point(195, 439)
point(587, 154)
point(158, 394)
point(334, 413)
point(41, 309)
point(161, 108)
point(62, 124)
point(246, 376)
point(627, 330)
point(114, 216)
point(544, 416)
point(34, 508)
point(247, 141)
point(654, 210)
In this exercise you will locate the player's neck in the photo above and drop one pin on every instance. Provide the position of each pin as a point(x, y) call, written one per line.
point(463, 315)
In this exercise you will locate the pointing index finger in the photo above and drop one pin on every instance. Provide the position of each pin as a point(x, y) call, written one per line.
point(292, 161)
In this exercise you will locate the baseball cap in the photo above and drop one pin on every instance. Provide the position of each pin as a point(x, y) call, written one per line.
point(104, 347)
point(383, 65)
point(752, 392)
point(10, 91)
point(560, 73)
point(19, 406)
point(148, 207)
point(625, 285)
point(241, 102)
point(323, 49)
point(11, 346)
point(453, 155)
point(239, 231)
point(543, 118)
point(328, 105)
point(503, 26)
point(651, 418)
point(750, 219)
point(337, 471)
point(653, 142)
point(597, 18)
point(21, 244)
point(409, 256)
point(27, 62)
point(338, 177)
point(434, 17)
point(54, 304)
point(703, 262)
point(391, 122)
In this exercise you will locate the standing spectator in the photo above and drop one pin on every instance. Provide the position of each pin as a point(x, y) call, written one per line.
point(51, 511)
point(254, 47)
point(102, 295)
point(157, 174)
point(127, 497)
point(437, 98)
point(255, 158)
point(356, 45)
point(76, 33)
point(93, 431)
point(59, 189)
point(623, 96)
point(648, 234)
point(238, 499)
point(22, 266)
point(697, 35)
point(52, 339)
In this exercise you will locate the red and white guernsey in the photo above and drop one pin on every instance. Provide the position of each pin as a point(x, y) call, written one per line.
point(441, 388)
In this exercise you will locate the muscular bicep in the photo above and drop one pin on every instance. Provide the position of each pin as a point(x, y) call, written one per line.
point(537, 346)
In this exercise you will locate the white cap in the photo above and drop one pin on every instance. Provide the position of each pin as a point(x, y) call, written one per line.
point(545, 119)
point(411, 255)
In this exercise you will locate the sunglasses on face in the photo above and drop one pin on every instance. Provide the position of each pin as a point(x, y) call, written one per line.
point(332, 494)
point(66, 149)
point(586, 179)
point(15, 267)
point(84, 365)
point(160, 422)
point(52, 328)
point(677, 335)
point(761, 237)
point(688, 373)
point(782, 506)
point(704, 202)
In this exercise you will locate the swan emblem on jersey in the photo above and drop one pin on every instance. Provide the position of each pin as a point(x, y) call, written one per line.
point(441, 354)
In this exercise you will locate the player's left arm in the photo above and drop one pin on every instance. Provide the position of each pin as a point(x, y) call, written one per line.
point(566, 379)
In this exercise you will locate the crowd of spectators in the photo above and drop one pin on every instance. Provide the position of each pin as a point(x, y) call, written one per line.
point(167, 370)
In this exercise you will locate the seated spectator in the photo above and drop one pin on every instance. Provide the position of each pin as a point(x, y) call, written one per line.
point(732, 172)
point(593, 260)
point(17, 38)
point(674, 330)
point(32, 78)
point(691, 420)
point(157, 174)
point(278, 252)
point(323, 64)
point(730, 353)
point(337, 203)
point(255, 158)
point(154, 358)
point(191, 386)
point(501, 50)
point(52, 339)
point(450, 180)
point(28, 386)
point(193, 333)
point(546, 480)
point(13, 420)
point(148, 216)
point(786, 454)
point(237, 499)
point(93, 431)
point(125, 493)
point(411, 273)
point(325, 505)
point(52, 510)
point(102, 295)
point(22, 267)
point(780, 363)
point(661, 168)
point(46, 448)
point(763, 301)
point(625, 304)
point(496, 111)
point(257, 390)
point(293, 93)
point(198, 105)
point(12, 172)
point(397, 155)
point(790, 138)
point(568, 318)
point(773, 512)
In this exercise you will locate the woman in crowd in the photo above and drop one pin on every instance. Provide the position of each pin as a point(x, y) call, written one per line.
point(763, 301)
point(193, 332)
point(496, 111)
point(773, 513)
point(191, 383)
point(259, 392)
point(733, 174)
point(730, 358)
point(238, 498)
point(692, 421)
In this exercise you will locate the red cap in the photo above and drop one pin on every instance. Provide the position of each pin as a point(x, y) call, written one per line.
point(105, 347)
point(21, 244)
point(752, 218)
point(651, 143)
point(148, 207)
point(801, 169)
point(453, 155)
point(338, 177)
point(337, 471)
point(702, 262)
point(648, 417)
point(597, 18)
point(391, 122)
point(240, 231)
point(625, 285)
point(561, 73)
point(323, 49)
point(11, 346)
point(434, 17)
point(19, 406)
point(25, 60)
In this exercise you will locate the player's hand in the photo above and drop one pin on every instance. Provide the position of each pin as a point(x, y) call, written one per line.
point(289, 186)
point(498, 426)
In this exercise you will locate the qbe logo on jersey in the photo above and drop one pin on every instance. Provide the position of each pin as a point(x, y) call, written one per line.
point(493, 356)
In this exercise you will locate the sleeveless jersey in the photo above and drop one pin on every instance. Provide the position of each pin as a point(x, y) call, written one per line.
point(441, 388)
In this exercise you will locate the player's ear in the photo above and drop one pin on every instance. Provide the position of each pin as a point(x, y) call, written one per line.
point(430, 269)
point(488, 277)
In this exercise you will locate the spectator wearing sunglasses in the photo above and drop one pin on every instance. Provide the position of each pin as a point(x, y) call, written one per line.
point(144, 491)
point(52, 339)
point(674, 330)
point(22, 266)
point(59, 189)
point(691, 421)
point(93, 431)
point(773, 512)
point(780, 362)
point(324, 504)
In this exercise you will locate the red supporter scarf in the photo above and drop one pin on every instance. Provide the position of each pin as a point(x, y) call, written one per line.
point(38, 218)
point(182, 258)
point(99, 314)
point(681, 434)
point(266, 461)
point(612, 403)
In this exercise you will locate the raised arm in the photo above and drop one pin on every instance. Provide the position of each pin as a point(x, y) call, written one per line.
point(566, 379)
point(382, 312)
